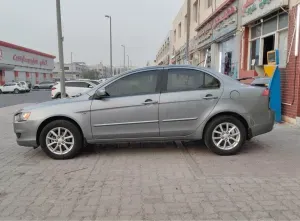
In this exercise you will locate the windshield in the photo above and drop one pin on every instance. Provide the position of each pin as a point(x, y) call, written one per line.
point(92, 90)
point(95, 82)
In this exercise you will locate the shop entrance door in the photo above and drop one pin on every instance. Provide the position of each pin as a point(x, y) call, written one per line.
point(269, 45)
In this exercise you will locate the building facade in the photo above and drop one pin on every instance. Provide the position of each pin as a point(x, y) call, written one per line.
point(72, 70)
point(163, 56)
point(234, 36)
point(23, 64)
point(270, 25)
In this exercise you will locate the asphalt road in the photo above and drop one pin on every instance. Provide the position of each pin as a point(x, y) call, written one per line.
point(32, 97)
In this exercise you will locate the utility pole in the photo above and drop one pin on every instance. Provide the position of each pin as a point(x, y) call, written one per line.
point(124, 57)
point(188, 24)
point(110, 30)
point(60, 50)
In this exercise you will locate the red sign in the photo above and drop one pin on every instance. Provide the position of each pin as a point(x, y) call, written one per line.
point(28, 60)
point(248, 3)
point(36, 75)
point(27, 74)
point(226, 14)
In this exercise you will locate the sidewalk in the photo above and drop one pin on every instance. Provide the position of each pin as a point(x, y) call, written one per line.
point(152, 181)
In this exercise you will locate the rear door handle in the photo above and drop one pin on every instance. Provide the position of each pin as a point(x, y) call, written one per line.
point(210, 97)
point(149, 101)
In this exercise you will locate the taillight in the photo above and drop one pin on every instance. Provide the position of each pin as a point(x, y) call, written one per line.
point(54, 88)
point(266, 92)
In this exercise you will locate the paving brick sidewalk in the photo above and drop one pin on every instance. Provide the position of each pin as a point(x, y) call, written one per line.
point(152, 181)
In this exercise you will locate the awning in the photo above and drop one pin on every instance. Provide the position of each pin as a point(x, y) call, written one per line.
point(7, 67)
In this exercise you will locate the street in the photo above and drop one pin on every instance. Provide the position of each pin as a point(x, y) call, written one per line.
point(157, 181)
point(34, 96)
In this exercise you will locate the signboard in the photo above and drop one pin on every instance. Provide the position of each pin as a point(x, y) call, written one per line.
point(10, 56)
point(226, 22)
point(254, 9)
point(204, 36)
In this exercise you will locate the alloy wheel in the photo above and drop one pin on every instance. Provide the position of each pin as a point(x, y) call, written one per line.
point(60, 140)
point(226, 136)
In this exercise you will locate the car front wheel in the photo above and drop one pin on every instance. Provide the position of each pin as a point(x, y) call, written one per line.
point(61, 139)
point(225, 135)
point(16, 91)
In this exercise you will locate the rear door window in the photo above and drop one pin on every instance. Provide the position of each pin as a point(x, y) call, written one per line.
point(188, 79)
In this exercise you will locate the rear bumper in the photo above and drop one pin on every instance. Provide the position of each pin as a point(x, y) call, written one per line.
point(266, 127)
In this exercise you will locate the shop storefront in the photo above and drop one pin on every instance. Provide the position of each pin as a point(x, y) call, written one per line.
point(23, 64)
point(266, 29)
point(203, 41)
point(224, 34)
point(216, 39)
point(181, 55)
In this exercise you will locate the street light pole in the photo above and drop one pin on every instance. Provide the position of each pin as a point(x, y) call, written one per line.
point(72, 63)
point(110, 30)
point(60, 49)
point(128, 61)
point(124, 57)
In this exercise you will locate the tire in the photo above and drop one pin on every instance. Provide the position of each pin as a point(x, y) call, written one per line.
point(58, 96)
point(16, 91)
point(63, 153)
point(214, 129)
point(0, 91)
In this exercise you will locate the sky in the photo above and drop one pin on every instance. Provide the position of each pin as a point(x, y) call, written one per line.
point(141, 25)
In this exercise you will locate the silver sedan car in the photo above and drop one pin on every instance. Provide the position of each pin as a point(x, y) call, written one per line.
point(163, 103)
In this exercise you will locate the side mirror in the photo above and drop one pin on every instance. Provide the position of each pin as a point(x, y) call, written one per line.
point(101, 93)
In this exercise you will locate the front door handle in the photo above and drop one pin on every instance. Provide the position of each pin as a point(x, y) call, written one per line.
point(210, 97)
point(149, 101)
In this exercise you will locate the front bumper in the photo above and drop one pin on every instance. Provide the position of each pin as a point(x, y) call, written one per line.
point(26, 133)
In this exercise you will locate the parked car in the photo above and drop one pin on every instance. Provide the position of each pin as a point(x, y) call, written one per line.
point(44, 85)
point(73, 88)
point(151, 104)
point(24, 85)
point(29, 84)
point(12, 87)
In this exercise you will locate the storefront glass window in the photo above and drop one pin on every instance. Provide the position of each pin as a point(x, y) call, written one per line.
point(282, 47)
point(255, 31)
point(283, 21)
point(270, 26)
point(254, 53)
point(228, 58)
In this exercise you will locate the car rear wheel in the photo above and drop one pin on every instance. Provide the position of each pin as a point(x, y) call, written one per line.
point(61, 139)
point(16, 91)
point(0, 91)
point(225, 135)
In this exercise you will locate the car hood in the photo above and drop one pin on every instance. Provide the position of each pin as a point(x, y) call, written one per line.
point(55, 102)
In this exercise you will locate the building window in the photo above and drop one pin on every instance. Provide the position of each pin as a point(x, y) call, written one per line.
point(209, 3)
point(271, 34)
point(179, 30)
point(195, 11)
point(66, 68)
point(175, 35)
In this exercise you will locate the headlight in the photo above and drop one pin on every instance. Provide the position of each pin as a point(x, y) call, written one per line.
point(22, 116)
